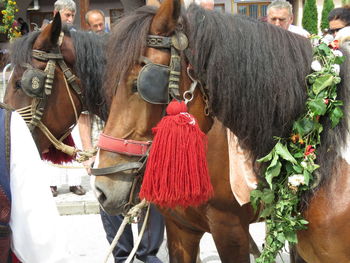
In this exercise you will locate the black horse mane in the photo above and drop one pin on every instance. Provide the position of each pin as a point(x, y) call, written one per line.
point(255, 73)
point(89, 66)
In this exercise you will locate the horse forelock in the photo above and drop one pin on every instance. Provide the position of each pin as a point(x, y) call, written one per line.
point(126, 45)
point(255, 73)
point(21, 49)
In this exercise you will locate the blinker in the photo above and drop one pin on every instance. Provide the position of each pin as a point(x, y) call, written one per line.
point(33, 81)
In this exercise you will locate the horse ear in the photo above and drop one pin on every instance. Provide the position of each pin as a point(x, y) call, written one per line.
point(165, 20)
point(56, 28)
point(48, 38)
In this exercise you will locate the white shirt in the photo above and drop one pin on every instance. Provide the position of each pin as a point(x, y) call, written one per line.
point(298, 30)
point(37, 233)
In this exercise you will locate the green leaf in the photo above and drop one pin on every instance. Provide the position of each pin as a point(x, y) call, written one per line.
point(255, 197)
point(339, 60)
point(268, 197)
point(335, 115)
point(317, 106)
point(273, 170)
point(266, 158)
point(283, 151)
point(322, 82)
point(303, 126)
point(307, 176)
point(303, 221)
point(281, 238)
point(266, 212)
point(298, 169)
point(291, 236)
point(323, 47)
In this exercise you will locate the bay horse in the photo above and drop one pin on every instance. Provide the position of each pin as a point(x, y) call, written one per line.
point(57, 73)
point(253, 75)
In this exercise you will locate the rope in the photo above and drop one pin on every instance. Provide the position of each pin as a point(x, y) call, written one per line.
point(134, 212)
point(83, 156)
point(138, 241)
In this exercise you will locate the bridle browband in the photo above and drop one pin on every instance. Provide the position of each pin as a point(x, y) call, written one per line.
point(38, 84)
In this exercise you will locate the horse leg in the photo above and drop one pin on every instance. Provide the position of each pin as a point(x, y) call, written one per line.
point(231, 237)
point(183, 243)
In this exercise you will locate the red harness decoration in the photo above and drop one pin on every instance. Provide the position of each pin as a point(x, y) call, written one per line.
point(127, 147)
point(176, 172)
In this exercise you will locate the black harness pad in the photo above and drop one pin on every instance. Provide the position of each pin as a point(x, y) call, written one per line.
point(33, 82)
point(152, 83)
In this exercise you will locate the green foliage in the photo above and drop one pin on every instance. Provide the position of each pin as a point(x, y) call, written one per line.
point(7, 24)
point(309, 20)
point(291, 163)
point(328, 5)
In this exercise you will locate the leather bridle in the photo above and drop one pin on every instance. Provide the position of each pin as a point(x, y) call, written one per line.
point(33, 113)
point(176, 43)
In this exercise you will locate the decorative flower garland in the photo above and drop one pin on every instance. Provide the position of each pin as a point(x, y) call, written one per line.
point(8, 21)
point(291, 162)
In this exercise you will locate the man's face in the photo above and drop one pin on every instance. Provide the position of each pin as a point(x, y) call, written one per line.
point(279, 17)
point(67, 16)
point(96, 23)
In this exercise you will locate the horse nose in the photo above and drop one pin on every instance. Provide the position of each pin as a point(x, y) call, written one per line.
point(112, 194)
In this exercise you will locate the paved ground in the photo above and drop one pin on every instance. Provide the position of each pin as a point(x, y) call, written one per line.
point(88, 244)
point(87, 240)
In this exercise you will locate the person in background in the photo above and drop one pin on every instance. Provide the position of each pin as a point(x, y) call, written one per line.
point(96, 21)
point(280, 13)
point(31, 229)
point(90, 125)
point(24, 28)
point(339, 20)
point(67, 11)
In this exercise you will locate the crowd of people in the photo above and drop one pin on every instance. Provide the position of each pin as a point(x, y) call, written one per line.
point(26, 214)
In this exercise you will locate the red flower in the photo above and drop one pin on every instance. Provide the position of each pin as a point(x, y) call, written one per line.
point(326, 101)
point(334, 44)
point(309, 150)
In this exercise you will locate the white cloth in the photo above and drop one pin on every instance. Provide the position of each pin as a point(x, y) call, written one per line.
point(242, 177)
point(298, 30)
point(37, 233)
point(342, 33)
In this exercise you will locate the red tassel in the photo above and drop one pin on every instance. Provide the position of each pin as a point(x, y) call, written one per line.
point(57, 157)
point(14, 259)
point(177, 172)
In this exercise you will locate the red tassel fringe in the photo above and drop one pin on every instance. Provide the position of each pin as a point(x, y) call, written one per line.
point(57, 157)
point(177, 172)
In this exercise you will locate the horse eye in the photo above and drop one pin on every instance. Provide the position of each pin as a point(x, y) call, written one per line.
point(134, 86)
point(18, 84)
